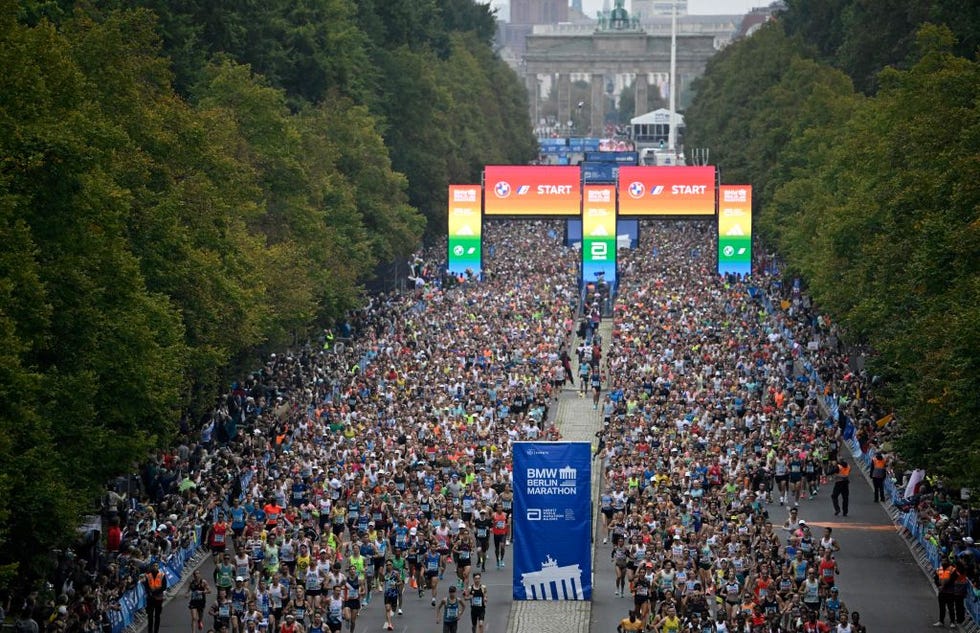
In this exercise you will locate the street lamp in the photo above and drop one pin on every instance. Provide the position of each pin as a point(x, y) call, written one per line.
point(672, 131)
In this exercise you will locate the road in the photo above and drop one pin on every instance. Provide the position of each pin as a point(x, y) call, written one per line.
point(419, 614)
point(878, 575)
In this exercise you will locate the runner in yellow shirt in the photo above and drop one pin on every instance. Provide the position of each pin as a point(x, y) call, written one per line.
point(631, 623)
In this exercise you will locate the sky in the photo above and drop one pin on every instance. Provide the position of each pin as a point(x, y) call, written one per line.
point(694, 7)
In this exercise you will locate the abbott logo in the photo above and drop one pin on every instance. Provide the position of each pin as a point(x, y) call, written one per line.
point(502, 189)
point(598, 251)
point(534, 514)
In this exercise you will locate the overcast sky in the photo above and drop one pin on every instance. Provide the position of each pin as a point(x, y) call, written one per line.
point(698, 7)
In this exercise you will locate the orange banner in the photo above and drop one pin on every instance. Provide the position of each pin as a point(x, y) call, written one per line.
point(666, 190)
point(532, 190)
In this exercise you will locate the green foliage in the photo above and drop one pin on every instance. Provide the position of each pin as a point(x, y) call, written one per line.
point(862, 38)
point(185, 184)
point(92, 357)
point(875, 202)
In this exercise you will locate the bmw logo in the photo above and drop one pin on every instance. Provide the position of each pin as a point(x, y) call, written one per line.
point(636, 190)
point(502, 189)
point(457, 250)
point(728, 251)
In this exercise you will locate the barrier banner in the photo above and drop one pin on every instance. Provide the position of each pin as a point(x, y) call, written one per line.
point(647, 190)
point(735, 230)
point(534, 190)
point(599, 233)
point(552, 521)
point(465, 230)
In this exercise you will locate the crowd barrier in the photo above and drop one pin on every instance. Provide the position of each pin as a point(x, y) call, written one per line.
point(134, 600)
point(917, 533)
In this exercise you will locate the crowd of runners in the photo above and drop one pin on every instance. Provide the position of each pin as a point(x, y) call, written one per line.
point(712, 446)
point(381, 471)
point(377, 469)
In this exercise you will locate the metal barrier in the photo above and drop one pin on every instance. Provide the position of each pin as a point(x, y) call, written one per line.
point(134, 600)
point(931, 554)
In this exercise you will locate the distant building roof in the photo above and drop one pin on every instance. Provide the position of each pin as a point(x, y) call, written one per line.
point(659, 116)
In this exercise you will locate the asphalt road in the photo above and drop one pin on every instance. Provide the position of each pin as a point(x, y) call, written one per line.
point(419, 617)
point(878, 575)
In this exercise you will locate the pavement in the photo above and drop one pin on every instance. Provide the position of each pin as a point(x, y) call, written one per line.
point(879, 576)
point(578, 422)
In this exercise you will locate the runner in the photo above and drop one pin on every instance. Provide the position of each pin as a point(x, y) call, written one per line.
point(197, 590)
point(449, 611)
point(476, 595)
point(352, 592)
point(392, 586)
point(501, 527)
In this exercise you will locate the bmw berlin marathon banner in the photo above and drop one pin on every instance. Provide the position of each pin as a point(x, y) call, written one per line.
point(552, 521)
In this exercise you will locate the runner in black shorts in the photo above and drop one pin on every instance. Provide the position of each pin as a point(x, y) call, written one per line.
point(476, 594)
point(500, 528)
point(352, 597)
point(392, 587)
point(481, 528)
point(198, 592)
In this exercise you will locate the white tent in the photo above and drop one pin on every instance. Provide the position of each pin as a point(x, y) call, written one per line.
point(657, 117)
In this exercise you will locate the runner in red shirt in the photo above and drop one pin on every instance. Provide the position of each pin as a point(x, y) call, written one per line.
point(219, 536)
point(499, 529)
point(828, 570)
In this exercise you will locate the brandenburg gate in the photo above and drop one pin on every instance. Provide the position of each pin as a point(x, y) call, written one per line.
point(617, 46)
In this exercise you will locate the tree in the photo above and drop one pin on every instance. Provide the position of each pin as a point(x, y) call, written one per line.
point(93, 359)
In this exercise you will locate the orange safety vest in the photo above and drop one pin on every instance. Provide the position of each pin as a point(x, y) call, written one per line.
point(154, 584)
point(878, 463)
point(844, 471)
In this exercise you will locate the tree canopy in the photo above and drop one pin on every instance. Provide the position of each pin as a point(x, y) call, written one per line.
point(873, 199)
point(183, 185)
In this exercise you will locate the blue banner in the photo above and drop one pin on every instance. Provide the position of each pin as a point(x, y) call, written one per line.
point(599, 172)
point(573, 231)
point(629, 227)
point(552, 521)
point(619, 157)
point(547, 141)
